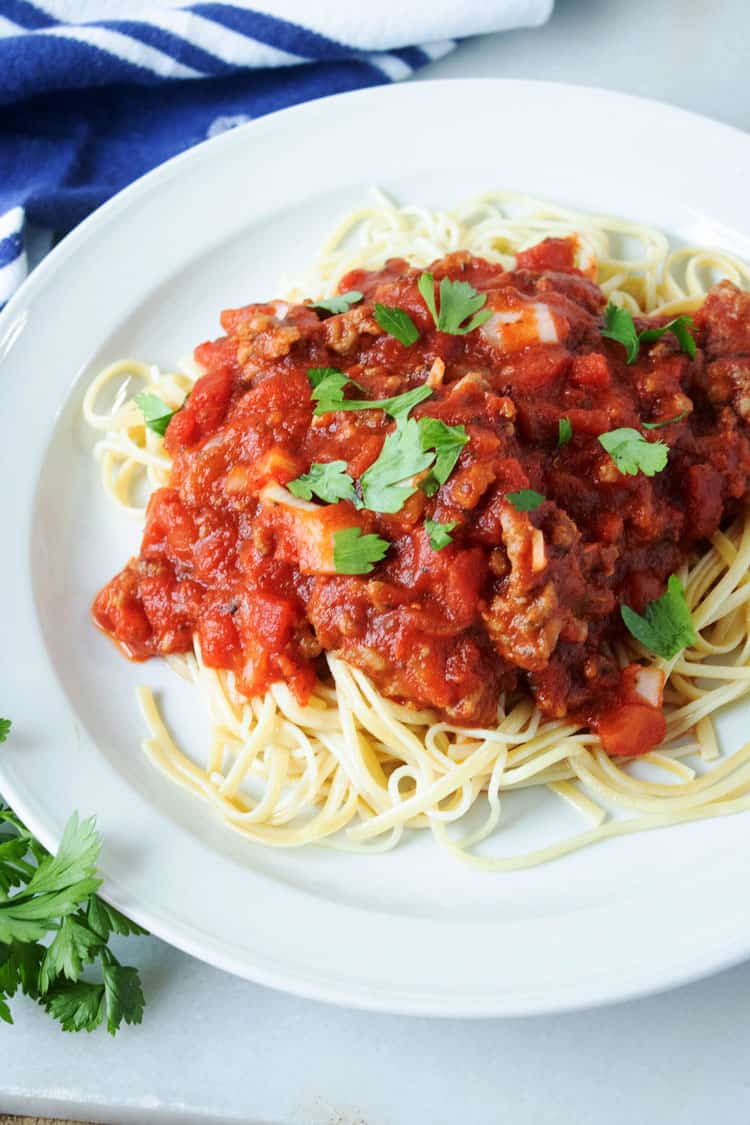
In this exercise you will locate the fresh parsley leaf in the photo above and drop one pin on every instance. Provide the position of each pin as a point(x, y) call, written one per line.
point(56, 897)
point(56, 887)
point(439, 533)
point(355, 553)
point(397, 323)
point(78, 1005)
point(666, 422)
point(632, 453)
point(339, 303)
point(619, 326)
point(104, 919)
point(73, 946)
point(388, 483)
point(458, 301)
point(400, 405)
point(74, 862)
point(9, 818)
point(19, 967)
point(328, 385)
point(526, 500)
point(666, 626)
point(680, 327)
point(329, 482)
point(447, 441)
point(156, 414)
point(123, 996)
point(316, 375)
point(13, 870)
point(564, 432)
point(5, 725)
point(397, 407)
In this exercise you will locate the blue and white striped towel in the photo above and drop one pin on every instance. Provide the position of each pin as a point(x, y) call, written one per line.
point(93, 93)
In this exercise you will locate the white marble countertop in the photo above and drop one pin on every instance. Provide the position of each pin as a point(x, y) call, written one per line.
point(215, 1049)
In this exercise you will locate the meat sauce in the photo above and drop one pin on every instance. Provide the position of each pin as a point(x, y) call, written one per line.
point(518, 600)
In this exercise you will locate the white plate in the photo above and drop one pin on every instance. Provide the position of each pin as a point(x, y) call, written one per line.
point(411, 931)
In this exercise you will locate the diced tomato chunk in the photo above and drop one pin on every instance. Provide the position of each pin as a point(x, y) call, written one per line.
point(119, 611)
point(305, 536)
point(232, 320)
point(550, 254)
point(170, 529)
point(218, 638)
point(591, 370)
point(254, 674)
point(631, 730)
point(203, 412)
point(266, 618)
point(182, 431)
point(215, 355)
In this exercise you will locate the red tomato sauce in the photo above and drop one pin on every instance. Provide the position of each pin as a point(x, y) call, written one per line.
point(518, 600)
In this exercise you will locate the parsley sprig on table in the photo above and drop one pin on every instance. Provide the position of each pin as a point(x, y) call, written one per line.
point(43, 895)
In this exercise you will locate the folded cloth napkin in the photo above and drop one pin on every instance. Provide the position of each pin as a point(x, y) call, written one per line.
point(93, 93)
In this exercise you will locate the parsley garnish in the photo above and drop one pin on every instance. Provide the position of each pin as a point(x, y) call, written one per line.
point(666, 626)
point(156, 414)
point(680, 327)
point(619, 326)
point(438, 533)
point(447, 441)
point(666, 422)
point(458, 302)
point(54, 895)
point(398, 406)
point(632, 453)
point(397, 323)
point(388, 483)
point(355, 553)
point(564, 432)
point(318, 375)
point(527, 500)
point(328, 384)
point(330, 482)
point(340, 303)
point(5, 725)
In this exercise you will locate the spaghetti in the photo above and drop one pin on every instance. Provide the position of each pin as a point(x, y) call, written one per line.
point(353, 769)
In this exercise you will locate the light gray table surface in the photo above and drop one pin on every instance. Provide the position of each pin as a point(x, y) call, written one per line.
point(216, 1049)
